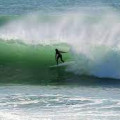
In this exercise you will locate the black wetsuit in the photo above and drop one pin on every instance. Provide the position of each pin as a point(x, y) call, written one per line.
point(58, 56)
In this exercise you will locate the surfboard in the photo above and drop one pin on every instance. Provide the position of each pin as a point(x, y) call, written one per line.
point(62, 64)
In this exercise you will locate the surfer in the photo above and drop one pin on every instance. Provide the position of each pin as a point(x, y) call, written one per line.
point(58, 55)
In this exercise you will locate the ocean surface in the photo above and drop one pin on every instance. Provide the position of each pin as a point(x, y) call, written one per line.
point(86, 89)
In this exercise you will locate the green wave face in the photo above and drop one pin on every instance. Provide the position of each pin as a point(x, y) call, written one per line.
point(29, 55)
point(20, 63)
point(26, 64)
point(30, 64)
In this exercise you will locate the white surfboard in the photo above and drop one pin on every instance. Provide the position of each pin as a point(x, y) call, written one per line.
point(62, 64)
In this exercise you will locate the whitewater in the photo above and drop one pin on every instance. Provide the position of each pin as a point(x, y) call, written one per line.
point(59, 102)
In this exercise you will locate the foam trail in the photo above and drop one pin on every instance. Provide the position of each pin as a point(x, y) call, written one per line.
point(93, 37)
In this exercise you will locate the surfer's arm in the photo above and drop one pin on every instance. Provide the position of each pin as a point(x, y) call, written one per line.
point(62, 52)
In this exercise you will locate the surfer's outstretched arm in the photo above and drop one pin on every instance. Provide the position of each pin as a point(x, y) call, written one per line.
point(62, 52)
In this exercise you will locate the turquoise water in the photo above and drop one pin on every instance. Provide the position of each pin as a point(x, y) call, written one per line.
point(86, 89)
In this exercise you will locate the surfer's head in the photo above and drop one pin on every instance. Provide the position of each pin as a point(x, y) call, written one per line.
point(56, 50)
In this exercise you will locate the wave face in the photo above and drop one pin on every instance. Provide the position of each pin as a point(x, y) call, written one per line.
point(91, 35)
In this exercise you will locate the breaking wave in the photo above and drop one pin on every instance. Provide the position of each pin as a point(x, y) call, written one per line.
point(93, 38)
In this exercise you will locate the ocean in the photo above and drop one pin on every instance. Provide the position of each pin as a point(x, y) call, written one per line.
point(85, 89)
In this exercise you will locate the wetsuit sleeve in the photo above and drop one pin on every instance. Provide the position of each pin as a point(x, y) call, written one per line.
point(62, 52)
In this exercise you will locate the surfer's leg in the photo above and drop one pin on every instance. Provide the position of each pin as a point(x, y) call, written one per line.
point(57, 59)
point(61, 59)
